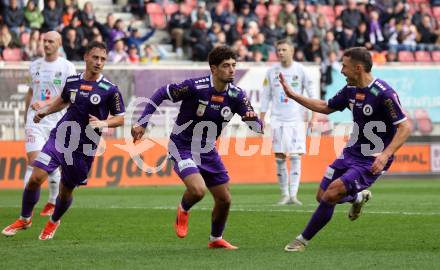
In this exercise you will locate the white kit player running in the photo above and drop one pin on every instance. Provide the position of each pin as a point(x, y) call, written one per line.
point(48, 76)
point(288, 119)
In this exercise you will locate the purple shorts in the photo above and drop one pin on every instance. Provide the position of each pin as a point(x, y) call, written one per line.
point(73, 174)
point(210, 166)
point(354, 173)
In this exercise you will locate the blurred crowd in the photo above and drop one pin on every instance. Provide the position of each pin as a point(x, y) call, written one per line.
point(320, 29)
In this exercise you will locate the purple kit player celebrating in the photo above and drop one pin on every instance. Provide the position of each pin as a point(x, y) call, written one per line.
point(208, 103)
point(380, 129)
point(73, 142)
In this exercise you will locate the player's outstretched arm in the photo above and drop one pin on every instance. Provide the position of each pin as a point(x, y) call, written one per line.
point(402, 134)
point(316, 105)
point(57, 105)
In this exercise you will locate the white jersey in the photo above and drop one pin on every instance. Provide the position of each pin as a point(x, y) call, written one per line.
point(47, 81)
point(285, 111)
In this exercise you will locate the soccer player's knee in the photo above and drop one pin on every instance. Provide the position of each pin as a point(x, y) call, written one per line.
point(318, 197)
point(34, 182)
point(198, 192)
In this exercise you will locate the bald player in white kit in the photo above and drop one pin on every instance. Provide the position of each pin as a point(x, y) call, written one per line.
point(288, 119)
point(48, 76)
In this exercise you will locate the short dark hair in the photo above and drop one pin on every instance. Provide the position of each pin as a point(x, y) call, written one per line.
point(219, 54)
point(284, 41)
point(360, 55)
point(96, 44)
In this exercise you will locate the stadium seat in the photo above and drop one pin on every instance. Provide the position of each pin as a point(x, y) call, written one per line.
point(12, 54)
point(422, 56)
point(261, 12)
point(272, 57)
point(170, 8)
point(338, 10)
point(435, 56)
point(436, 12)
point(405, 56)
point(157, 16)
point(274, 9)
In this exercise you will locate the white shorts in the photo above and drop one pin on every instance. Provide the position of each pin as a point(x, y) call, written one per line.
point(289, 139)
point(36, 137)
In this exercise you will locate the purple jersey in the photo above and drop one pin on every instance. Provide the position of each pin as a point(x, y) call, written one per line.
point(98, 98)
point(376, 112)
point(204, 111)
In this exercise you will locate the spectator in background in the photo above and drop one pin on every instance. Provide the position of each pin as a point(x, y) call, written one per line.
point(271, 31)
point(118, 54)
point(219, 15)
point(330, 65)
point(399, 12)
point(338, 30)
point(87, 14)
point(151, 54)
point(301, 13)
point(72, 46)
point(179, 25)
point(423, 10)
point(257, 56)
point(250, 33)
point(426, 35)
point(391, 56)
point(199, 41)
point(313, 52)
point(330, 45)
point(89, 28)
point(68, 14)
point(299, 56)
point(74, 24)
point(33, 16)
point(133, 56)
point(351, 16)
point(135, 38)
point(212, 33)
point(34, 48)
point(52, 16)
point(200, 13)
point(321, 27)
point(7, 39)
point(407, 35)
point(362, 36)
point(243, 53)
point(118, 32)
point(108, 26)
point(305, 33)
point(287, 14)
point(376, 36)
point(291, 34)
point(13, 16)
point(247, 14)
point(260, 46)
point(348, 39)
point(236, 31)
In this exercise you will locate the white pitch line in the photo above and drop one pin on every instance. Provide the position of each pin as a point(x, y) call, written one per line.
point(239, 209)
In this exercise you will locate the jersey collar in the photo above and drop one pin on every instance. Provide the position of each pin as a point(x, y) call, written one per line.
point(98, 80)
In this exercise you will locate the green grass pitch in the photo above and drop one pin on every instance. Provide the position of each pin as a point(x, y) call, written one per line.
point(132, 228)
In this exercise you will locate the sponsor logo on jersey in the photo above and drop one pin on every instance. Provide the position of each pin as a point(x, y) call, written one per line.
point(58, 74)
point(233, 93)
point(57, 81)
point(360, 96)
point(381, 86)
point(218, 99)
point(104, 86)
point(95, 99)
point(215, 106)
point(374, 91)
point(390, 106)
point(73, 95)
point(84, 94)
point(186, 163)
point(266, 82)
point(86, 87)
point(367, 110)
point(74, 79)
point(201, 110)
point(226, 112)
point(202, 86)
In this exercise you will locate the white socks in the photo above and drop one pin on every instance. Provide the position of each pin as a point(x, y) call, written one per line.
point(295, 175)
point(53, 184)
point(282, 176)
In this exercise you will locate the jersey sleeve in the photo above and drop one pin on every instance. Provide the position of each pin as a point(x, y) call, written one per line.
point(340, 100)
point(266, 96)
point(65, 95)
point(244, 106)
point(116, 103)
point(179, 91)
point(393, 110)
